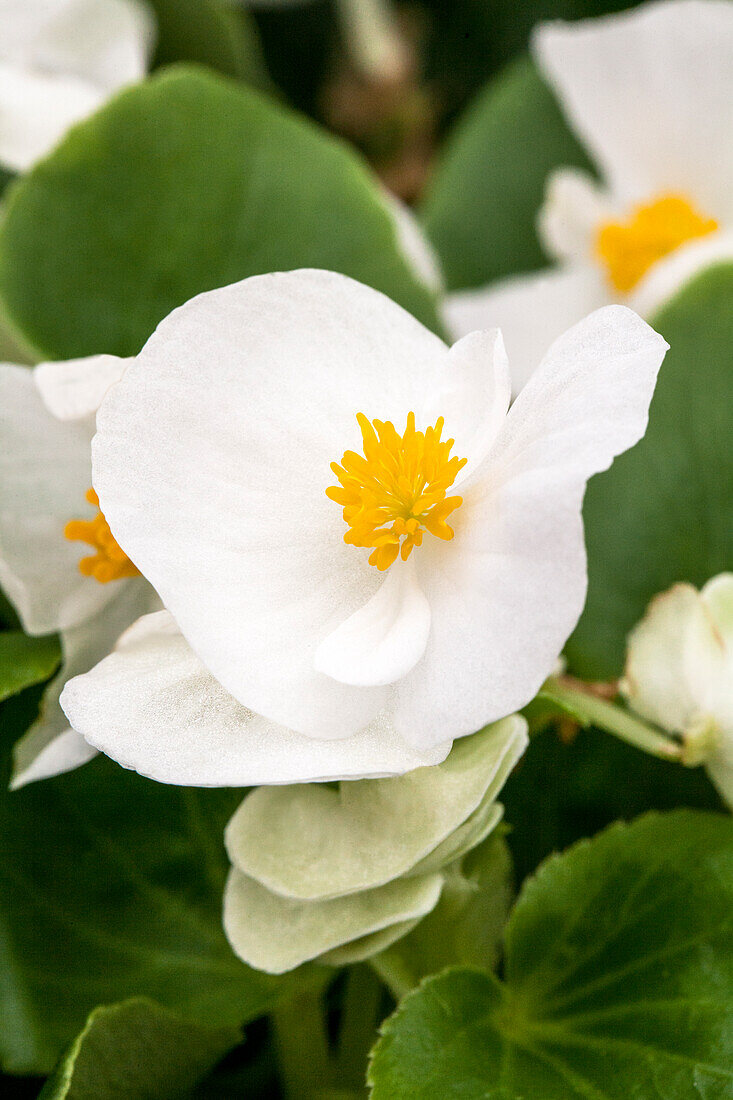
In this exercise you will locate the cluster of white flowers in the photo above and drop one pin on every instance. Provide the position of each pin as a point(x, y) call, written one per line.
point(324, 545)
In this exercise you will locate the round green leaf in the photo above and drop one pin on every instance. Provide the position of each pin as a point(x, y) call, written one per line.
point(664, 511)
point(181, 184)
point(619, 981)
point(480, 208)
point(211, 32)
point(110, 887)
point(25, 661)
point(310, 841)
point(135, 1051)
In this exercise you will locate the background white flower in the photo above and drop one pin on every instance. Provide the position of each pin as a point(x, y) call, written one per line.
point(46, 427)
point(59, 61)
point(650, 93)
point(212, 463)
point(679, 672)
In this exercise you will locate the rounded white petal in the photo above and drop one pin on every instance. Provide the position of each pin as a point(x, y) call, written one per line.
point(50, 746)
point(574, 207)
point(507, 592)
point(45, 471)
point(325, 843)
point(670, 274)
point(276, 934)
point(385, 638)
point(650, 91)
point(472, 395)
point(656, 682)
point(212, 459)
point(72, 389)
point(106, 43)
point(530, 310)
point(152, 706)
point(36, 110)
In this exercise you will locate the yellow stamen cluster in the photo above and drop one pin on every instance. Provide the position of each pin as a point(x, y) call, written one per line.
point(396, 488)
point(109, 563)
point(655, 229)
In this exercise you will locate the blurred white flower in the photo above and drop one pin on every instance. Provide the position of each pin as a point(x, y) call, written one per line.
point(650, 93)
point(679, 673)
point(353, 620)
point(59, 61)
point(46, 428)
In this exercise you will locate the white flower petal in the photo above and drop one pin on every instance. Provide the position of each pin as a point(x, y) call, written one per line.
point(50, 746)
point(574, 207)
point(36, 110)
point(472, 395)
point(506, 593)
point(152, 706)
point(651, 93)
point(656, 681)
point(530, 310)
point(104, 42)
point(276, 934)
point(385, 638)
point(72, 389)
point(45, 471)
point(212, 459)
point(670, 274)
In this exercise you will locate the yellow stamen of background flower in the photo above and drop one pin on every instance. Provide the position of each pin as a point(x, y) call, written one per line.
point(654, 230)
point(396, 489)
point(109, 563)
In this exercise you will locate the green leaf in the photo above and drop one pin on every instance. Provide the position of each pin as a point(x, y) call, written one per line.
point(181, 184)
point(480, 208)
point(137, 1051)
point(110, 887)
point(664, 511)
point(25, 661)
point(619, 981)
point(212, 33)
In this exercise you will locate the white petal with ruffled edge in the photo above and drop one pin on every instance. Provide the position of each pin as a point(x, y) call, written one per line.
point(212, 459)
point(72, 389)
point(45, 471)
point(50, 746)
point(152, 706)
point(650, 91)
point(530, 310)
point(575, 205)
point(507, 592)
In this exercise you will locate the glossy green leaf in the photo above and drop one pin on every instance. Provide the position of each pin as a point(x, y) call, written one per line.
point(619, 981)
point(480, 208)
point(211, 32)
point(664, 511)
point(137, 1050)
point(110, 887)
point(181, 184)
point(25, 661)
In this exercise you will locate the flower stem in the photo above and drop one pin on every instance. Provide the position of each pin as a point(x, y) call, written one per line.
point(358, 1025)
point(394, 973)
point(592, 710)
point(302, 1046)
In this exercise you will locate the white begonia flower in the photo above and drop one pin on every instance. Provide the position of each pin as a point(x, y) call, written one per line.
point(679, 673)
point(650, 93)
point(59, 61)
point(344, 612)
point(46, 429)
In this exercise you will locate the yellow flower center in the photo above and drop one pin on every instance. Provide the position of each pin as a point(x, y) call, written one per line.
point(109, 563)
point(396, 488)
point(654, 230)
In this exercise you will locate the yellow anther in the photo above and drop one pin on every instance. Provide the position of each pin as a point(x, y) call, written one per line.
point(655, 229)
point(109, 563)
point(396, 489)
